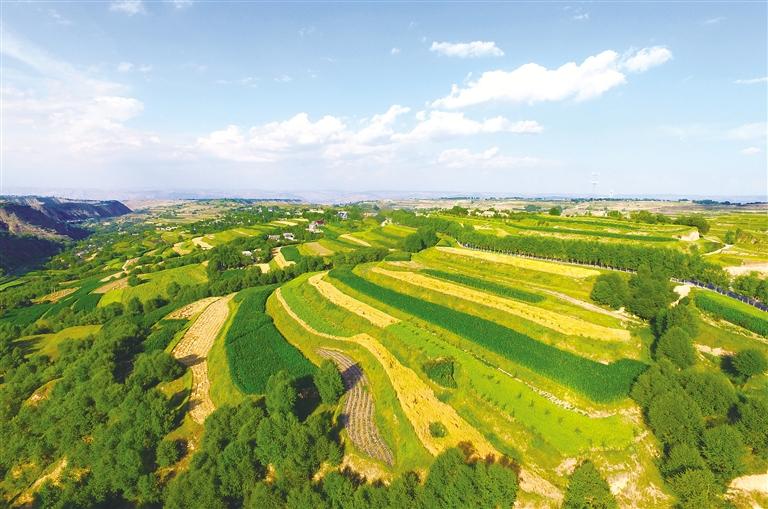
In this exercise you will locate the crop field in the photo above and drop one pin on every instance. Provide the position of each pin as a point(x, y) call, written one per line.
point(255, 348)
point(48, 344)
point(291, 253)
point(733, 311)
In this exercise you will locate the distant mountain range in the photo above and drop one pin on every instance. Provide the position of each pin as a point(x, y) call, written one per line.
point(34, 228)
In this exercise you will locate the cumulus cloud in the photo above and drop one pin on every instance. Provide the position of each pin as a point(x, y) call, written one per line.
point(532, 83)
point(750, 151)
point(181, 4)
point(129, 7)
point(752, 81)
point(487, 159)
point(394, 51)
point(331, 138)
point(443, 124)
point(646, 58)
point(472, 49)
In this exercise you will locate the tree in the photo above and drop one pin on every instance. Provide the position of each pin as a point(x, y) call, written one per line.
point(752, 421)
point(680, 458)
point(712, 392)
point(696, 488)
point(675, 418)
point(134, 306)
point(168, 452)
point(437, 429)
point(587, 489)
point(723, 450)
point(133, 280)
point(555, 211)
point(676, 345)
point(611, 290)
point(749, 362)
point(281, 394)
point(329, 383)
point(649, 292)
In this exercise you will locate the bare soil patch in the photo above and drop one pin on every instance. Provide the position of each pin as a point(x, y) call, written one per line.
point(740, 270)
point(198, 241)
point(277, 255)
point(57, 295)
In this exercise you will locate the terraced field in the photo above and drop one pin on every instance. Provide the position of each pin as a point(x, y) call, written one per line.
point(358, 416)
point(520, 410)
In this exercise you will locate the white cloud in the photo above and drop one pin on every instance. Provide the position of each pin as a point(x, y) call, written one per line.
point(443, 124)
point(124, 67)
point(581, 17)
point(532, 83)
point(753, 131)
point(331, 139)
point(306, 31)
point(752, 81)
point(646, 58)
point(713, 21)
point(284, 78)
point(472, 49)
point(750, 151)
point(394, 51)
point(181, 4)
point(129, 7)
point(58, 18)
point(487, 159)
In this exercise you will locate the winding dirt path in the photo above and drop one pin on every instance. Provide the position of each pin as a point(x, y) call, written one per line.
point(358, 417)
point(192, 351)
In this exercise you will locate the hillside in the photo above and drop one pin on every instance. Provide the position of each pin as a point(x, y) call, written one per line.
point(33, 228)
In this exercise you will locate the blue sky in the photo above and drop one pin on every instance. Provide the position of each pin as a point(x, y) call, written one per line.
point(515, 98)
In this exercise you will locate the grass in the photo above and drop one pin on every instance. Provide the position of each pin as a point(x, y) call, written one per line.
point(255, 348)
point(599, 382)
point(291, 253)
point(48, 344)
point(163, 335)
point(223, 390)
point(11, 283)
point(733, 311)
point(485, 285)
point(156, 284)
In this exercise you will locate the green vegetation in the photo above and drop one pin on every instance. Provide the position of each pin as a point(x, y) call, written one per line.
point(598, 381)
point(290, 253)
point(587, 489)
point(733, 311)
point(441, 372)
point(482, 284)
point(611, 290)
point(163, 335)
point(328, 383)
point(255, 348)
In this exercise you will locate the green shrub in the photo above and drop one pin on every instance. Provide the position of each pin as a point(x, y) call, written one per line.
point(676, 345)
point(587, 489)
point(733, 311)
point(328, 382)
point(168, 452)
point(749, 362)
point(437, 429)
point(255, 348)
point(482, 284)
point(441, 371)
point(601, 382)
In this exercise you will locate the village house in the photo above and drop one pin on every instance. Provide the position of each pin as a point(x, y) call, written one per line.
point(289, 236)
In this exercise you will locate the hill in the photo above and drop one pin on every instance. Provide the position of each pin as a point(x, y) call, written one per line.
point(33, 228)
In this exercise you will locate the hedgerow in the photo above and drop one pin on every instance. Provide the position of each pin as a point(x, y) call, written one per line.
point(600, 382)
point(482, 284)
point(730, 310)
point(594, 233)
point(255, 348)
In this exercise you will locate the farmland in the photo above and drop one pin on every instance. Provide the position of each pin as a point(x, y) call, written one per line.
point(203, 315)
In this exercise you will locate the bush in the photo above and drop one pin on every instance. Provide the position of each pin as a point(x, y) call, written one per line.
point(675, 418)
point(611, 290)
point(696, 488)
point(749, 362)
point(441, 372)
point(437, 429)
point(649, 292)
point(723, 450)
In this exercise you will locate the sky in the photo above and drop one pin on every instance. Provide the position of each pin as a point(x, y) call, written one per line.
point(513, 99)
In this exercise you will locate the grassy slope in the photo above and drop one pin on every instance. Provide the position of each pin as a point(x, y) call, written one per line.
point(223, 390)
point(156, 284)
point(48, 344)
